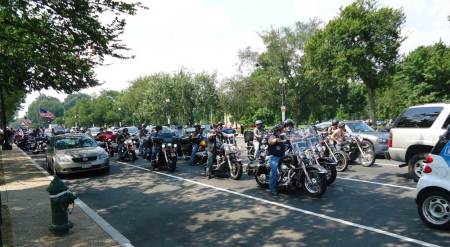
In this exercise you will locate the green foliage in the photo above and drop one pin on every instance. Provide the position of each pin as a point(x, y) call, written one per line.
point(361, 44)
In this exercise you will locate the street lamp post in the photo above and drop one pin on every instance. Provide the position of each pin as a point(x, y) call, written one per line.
point(168, 111)
point(120, 122)
point(283, 83)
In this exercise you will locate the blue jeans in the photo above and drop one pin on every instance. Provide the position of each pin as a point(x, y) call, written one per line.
point(141, 147)
point(273, 179)
point(155, 151)
point(195, 148)
point(209, 163)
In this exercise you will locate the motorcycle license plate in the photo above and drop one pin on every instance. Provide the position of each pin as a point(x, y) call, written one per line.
point(85, 166)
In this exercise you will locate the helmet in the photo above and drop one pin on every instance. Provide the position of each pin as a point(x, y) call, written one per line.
point(258, 122)
point(125, 130)
point(334, 122)
point(288, 122)
point(341, 125)
point(278, 127)
point(197, 126)
point(219, 124)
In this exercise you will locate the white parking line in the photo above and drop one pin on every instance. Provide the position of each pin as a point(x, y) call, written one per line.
point(383, 184)
point(323, 216)
point(102, 223)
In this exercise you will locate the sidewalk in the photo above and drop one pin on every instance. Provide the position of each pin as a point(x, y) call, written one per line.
point(26, 209)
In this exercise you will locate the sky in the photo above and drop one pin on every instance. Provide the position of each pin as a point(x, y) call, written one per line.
point(206, 35)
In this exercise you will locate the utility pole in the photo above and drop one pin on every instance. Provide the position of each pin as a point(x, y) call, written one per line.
point(283, 83)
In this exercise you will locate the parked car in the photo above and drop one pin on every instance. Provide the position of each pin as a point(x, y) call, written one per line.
point(433, 188)
point(415, 132)
point(74, 153)
point(378, 139)
point(93, 131)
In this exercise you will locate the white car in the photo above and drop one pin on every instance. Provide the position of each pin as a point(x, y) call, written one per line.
point(433, 188)
point(415, 132)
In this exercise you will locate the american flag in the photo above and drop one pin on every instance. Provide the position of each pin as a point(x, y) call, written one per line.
point(44, 113)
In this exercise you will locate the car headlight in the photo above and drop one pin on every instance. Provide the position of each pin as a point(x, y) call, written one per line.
point(381, 140)
point(103, 156)
point(64, 158)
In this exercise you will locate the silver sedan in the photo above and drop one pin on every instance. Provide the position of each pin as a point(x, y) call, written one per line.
point(74, 153)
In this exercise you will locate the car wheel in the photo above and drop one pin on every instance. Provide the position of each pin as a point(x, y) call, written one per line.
point(434, 209)
point(415, 166)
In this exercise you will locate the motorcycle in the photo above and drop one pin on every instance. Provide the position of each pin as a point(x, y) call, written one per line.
point(166, 158)
point(358, 149)
point(296, 171)
point(40, 145)
point(129, 150)
point(318, 157)
point(226, 161)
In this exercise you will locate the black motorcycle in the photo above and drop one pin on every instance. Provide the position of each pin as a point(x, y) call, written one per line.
point(318, 157)
point(296, 171)
point(166, 158)
point(359, 150)
point(40, 145)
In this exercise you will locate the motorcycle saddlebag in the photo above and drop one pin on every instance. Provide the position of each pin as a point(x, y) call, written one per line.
point(248, 136)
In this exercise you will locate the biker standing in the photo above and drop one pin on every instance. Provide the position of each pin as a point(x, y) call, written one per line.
point(196, 138)
point(258, 134)
point(155, 147)
point(276, 148)
point(120, 140)
point(213, 146)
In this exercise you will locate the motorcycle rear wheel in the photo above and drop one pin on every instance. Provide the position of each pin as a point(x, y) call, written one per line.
point(342, 161)
point(331, 172)
point(318, 184)
point(262, 179)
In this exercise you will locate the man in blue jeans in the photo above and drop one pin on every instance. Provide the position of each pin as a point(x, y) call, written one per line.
point(196, 138)
point(276, 148)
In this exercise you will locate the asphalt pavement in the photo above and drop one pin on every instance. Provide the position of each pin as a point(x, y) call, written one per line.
point(365, 206)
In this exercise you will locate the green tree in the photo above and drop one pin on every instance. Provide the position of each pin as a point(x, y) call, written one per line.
point(56, 44)
point(49, 103)
point(361, 44)
point(72, 99)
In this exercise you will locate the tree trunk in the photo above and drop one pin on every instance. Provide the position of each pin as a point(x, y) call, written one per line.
point(3, 110)
point(373, 107)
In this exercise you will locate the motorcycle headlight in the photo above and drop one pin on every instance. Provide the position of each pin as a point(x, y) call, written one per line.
point(174, 145)
point(64, 158)
point(169, 144)
point(163, 145)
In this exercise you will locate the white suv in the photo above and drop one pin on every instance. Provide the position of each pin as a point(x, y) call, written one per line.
point(415, 132)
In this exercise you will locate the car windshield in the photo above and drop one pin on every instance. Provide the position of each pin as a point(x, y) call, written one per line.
point(94, 129)
point(70, 142)
point(133, 130)
point(359, 127)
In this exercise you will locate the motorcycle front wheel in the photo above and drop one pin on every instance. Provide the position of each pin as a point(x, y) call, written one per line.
point(368, 158)
point(342, 161)
point(236, 170)
point(331, 172)
point(262, 179)
point(172, 165)
point(318, 185)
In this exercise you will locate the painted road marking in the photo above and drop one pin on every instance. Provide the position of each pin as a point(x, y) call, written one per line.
point(307, 212)
point(102, 223)
point(377, 183)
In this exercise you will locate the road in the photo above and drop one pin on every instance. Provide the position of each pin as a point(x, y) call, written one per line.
point(366, 206)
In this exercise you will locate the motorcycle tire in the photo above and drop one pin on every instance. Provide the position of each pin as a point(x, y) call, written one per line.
point(236, 172)
point(369, 149)
point(251, 154)
point(172, 165)
point(342, 161)
point(262, 183)
point(331, 172)
point(319, 183)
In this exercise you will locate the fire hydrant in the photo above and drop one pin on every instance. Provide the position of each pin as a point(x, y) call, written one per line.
point(60, 199)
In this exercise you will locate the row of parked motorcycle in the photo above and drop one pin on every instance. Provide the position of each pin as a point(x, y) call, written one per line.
point(35, 144)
